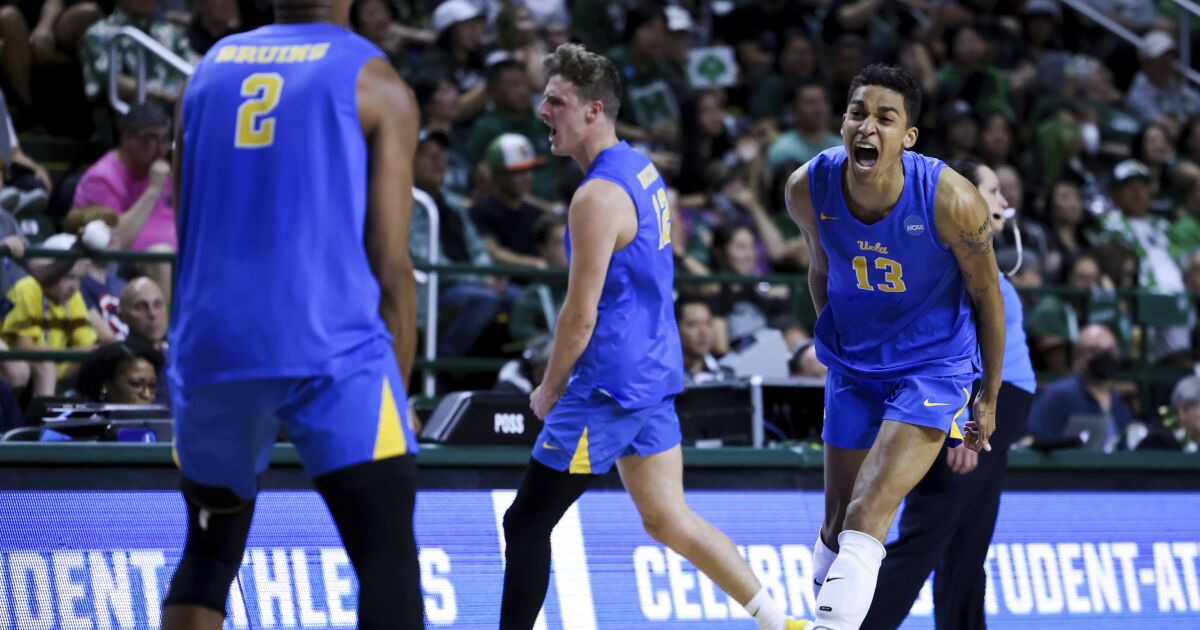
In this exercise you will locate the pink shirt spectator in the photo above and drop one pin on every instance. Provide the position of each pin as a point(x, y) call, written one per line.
point(108, 183)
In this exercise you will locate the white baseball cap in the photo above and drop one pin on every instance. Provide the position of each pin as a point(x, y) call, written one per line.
point(1156, 44)
point(452, 12)
point(678, 19)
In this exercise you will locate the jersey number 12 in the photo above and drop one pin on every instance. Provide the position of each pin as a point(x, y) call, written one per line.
point(255, 128)
point(663, 213)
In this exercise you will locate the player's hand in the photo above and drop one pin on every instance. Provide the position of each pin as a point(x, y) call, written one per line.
point(978, 431)
point(961, 459)
point(159, 171)
point(542, 400)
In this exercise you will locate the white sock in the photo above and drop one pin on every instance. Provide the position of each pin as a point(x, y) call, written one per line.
point(850, 584)
point(767, 613)
point(823, 556)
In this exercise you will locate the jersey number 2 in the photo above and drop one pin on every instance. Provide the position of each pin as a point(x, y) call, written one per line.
point(893, 282)
point(255, 129)
point(663, 214)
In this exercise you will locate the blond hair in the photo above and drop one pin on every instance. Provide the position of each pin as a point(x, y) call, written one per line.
point(595, 77)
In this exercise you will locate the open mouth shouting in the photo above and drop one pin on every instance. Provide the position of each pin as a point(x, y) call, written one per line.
point(865, 155)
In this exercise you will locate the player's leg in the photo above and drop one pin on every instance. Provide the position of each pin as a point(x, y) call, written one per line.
point(572, 448)
point(652, 471)
point(655, 483)
point(853, 409)
point(372, 505)
point(932, 514)
point(355, 441)
point(544, 496)
point(223, 436)
point(900, 457)
point(928, 410)
point(218, 524)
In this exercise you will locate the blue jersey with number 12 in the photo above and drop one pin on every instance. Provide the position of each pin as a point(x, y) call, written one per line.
point(273, 277)
point(897, 304)
point(634, 355)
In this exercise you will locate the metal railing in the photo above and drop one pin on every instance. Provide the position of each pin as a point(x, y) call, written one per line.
point(144, 43)
point(1143, 371)
point(430, 279)
point(1183, 63)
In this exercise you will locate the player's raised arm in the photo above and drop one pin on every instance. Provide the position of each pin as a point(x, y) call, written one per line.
point(600, 212)
point(964, 225)
point(389, 117)
point(799, 206)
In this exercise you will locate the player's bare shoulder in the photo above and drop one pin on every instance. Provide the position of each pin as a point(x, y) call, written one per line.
point(799, 199)
point(382, 94)
point(960, 212)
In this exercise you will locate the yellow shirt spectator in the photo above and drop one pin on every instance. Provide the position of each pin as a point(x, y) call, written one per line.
point(45, 322)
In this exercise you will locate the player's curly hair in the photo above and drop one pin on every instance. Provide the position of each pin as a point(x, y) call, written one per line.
point(595, 76)
point(893, 78)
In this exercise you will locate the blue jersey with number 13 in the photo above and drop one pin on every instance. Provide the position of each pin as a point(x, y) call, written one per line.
point(273, 277)
point(897, 305)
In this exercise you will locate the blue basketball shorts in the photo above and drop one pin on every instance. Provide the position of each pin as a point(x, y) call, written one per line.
point(224, 431)
point(587, 435)
point(856, 408)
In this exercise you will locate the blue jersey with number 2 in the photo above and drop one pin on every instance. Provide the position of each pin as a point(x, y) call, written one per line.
point(634, 354)
point(273, 277)
point(897, 304)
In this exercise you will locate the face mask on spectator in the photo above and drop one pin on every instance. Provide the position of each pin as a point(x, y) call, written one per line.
point(1102, 366)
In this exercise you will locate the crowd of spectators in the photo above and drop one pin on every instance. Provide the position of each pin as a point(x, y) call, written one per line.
point(1096, 143)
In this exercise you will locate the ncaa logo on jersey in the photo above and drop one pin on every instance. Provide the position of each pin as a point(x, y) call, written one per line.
point(914, 225)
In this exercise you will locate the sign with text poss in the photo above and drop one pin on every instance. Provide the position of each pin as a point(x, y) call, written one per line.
point(102, 560)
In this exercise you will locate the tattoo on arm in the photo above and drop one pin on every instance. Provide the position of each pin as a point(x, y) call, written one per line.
point(980, 242)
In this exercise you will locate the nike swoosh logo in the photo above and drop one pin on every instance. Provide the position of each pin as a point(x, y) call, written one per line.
point(826, 217)
point(933, 404)
point(548, 446)
point(830, 579)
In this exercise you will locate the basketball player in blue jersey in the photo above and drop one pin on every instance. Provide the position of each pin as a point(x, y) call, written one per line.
point(294, 305)
point(608, 395)
point(904, 279)
point(950, 515)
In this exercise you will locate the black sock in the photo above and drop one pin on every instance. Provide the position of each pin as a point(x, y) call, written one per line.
point(544, 496)
point(372, 505)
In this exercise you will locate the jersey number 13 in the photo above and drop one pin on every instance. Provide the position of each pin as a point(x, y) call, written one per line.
point(255, 125)
point(893, 281)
